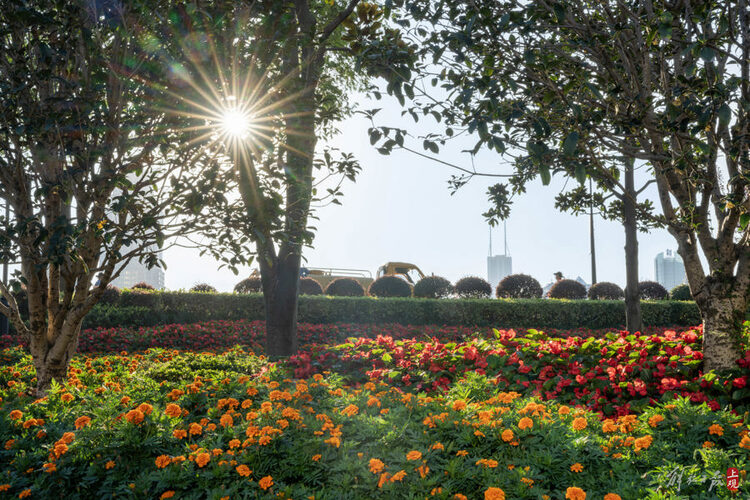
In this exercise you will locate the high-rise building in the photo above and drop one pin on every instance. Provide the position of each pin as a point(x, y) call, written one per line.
point(136, 272)
point(669, 269)
point(499, 266)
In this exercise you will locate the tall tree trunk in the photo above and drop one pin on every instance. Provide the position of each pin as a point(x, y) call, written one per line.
point(723, 313)
point(281, 308)
point(47, 367)
point(633, 318)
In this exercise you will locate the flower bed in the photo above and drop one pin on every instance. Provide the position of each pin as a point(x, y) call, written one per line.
point(135, 426)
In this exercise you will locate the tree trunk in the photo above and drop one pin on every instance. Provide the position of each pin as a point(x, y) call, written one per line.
point(723, 313)
point(633, 318)
point(48, 369)
point(281, 308)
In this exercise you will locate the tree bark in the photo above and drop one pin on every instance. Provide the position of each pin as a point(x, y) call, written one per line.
point(47, 367)
point(723, 314)
point(281, 308)
point(633, 318)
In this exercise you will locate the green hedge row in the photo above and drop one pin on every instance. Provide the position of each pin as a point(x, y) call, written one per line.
point(180, 307)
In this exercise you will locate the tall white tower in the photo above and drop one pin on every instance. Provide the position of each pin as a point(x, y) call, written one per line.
point(499, 266)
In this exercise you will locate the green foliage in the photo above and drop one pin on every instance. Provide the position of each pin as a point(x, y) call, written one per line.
point(188, 365)
point(181, 307)
point(433, 287)
point(389, 286)
point(110, 295)
point(681, 292)
point(473, 287)
point(345, 287)
point(142, 285)
point(567, 289)
point(651, 290)
point(604, 290)
point(252, 284)
point(308, 286)
point(519, 286)
point(203, 287)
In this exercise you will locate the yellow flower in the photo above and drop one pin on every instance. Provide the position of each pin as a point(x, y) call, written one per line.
point(494, 494)
point(580, 423)
point(525, 423)
point(266, 482)
point(716, 429)
point(575, 493)
point(576, 467)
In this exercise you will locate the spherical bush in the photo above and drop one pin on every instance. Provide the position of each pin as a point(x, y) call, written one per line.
point(681, 292)
point(518, 286)
point(110, 295)
point(142, 286)
point(249, 285)
point(433, 287)
point(308, 286)
point(203, 287)
point(389, 286)
point(606, 291)
point(473, 287)
point(567, 289)
point(345, 287)
point(651, 290)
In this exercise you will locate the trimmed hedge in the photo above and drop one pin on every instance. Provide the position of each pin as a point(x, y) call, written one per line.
point(181, 307)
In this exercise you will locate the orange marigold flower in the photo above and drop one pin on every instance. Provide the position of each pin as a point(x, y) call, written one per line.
point(67, 437)
point(4, 487)
point(708, 444)
point(643, 442)
point(243, 470)
point(383, 479)
point(462, 453)
point(195, 429)
point(563, 410)
point(459, 405)
point(654, 420)
point(25, 493)
point(376, 465)
point(109, 465)
point(266, 482)
point(317, 457)
point(612, 496)
point(226, 420)
point(82, 422)
point(16, 415)
point(575, 493)
point(525, 423)
point(146, 408)
point(234, 443)
point(9, 444)
point(350, 411)
point(162, 461)
point(67, 397)
point(125, 400)
point(167, 494)
point(745, 443)
point(576, 467)
point(580, 423)
point(494, 494)
point(609, 425)
point(30, 423)
point(49, 467)
point(173, 410)
point(716, 429)
point(134, 416)
point(413, 455)
point(179, 433)
point(507, 435)
point(333, 441)
point(487, 463)
point(398, 476)
point(459, 496)
point(202, 459)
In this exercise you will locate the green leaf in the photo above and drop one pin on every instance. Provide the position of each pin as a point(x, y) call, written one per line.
point(581, 173)
point(545, 175)
point(707, 54)
point(744, 221)
point(725, 114)
point(570, 143)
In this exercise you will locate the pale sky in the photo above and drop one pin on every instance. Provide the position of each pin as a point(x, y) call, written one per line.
point(400, 209)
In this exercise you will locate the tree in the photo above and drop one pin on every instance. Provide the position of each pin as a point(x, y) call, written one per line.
point(282, 69)
point(664, 83)
point(95, 173)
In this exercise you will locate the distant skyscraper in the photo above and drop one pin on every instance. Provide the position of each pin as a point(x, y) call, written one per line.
point(498, 266)
point(135, 272)
point(669, 269)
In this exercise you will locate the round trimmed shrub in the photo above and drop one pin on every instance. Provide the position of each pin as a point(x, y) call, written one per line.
point(110, 295)
point(605, 290)
point(518, 286)
point(345, 287)
point(142, 285)
point(389, 286)
point(203, 287)
point(651, 290)
point(433, 287)
point(249, 285)
point(308, 286)
point(567, 289)
point(473, 287)
point(681, 292)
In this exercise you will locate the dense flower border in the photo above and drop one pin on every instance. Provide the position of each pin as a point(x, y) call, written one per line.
point(137, 426)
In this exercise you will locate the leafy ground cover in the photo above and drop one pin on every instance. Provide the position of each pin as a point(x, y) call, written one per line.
point(163, 424)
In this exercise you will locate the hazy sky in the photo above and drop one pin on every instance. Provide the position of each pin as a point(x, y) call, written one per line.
point(400, 209)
